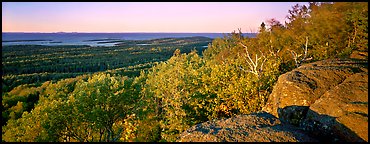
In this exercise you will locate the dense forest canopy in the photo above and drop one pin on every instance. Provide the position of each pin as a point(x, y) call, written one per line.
point(35, 64)
point(233, 76)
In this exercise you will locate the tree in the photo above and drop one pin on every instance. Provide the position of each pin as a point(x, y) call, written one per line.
point(255, 66)
point(99, 109)
point(262, 28)
point(97, 104)
point(299, 58)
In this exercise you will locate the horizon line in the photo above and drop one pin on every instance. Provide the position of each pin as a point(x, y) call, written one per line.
point(124, 32)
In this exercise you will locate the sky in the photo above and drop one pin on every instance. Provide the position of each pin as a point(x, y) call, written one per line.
point(213, 17)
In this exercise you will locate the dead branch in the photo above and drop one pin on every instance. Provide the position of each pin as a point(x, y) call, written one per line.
point(298, 61)
point(254, 67)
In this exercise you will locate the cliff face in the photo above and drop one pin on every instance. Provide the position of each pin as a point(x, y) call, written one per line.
point(324, 101)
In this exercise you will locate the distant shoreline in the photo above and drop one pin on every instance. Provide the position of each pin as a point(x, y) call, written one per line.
point(96, 39)
point(125, 32)
point(23, 40)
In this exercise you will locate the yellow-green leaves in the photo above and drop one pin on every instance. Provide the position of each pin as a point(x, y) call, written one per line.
point(79, 109)
point(188, 89)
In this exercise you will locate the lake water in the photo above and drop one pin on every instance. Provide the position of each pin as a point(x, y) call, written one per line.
point(92, 39)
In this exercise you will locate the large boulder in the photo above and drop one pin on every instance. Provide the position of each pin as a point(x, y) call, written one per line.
point(325, 101)
point(257, 127)
point(327, 98)
point(342, 112)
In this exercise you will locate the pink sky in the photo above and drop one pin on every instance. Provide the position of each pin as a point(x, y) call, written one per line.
point(139, 17)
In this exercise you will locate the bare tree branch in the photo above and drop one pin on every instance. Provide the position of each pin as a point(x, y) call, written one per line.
point(254, 66)
point(298, 61)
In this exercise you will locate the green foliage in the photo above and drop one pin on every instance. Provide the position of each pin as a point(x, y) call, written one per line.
point(19, 100)
point(35, 64)
point(170, 85)
point(96, 109)
point(188, 89)
point(236, 74)
point(332, 28)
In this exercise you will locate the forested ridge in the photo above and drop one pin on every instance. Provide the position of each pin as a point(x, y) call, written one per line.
point(233, 76)
point(34, 64)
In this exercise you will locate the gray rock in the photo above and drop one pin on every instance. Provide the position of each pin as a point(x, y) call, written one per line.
point(342, 112)
point(257, 127)
point(328, 98)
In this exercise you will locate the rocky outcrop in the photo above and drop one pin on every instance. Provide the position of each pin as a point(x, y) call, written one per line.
point(329, 99)
point(325, 101)
point(258, 127)
point(341, 112)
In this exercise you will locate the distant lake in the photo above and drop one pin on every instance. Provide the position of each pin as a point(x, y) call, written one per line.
point(93, 39)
